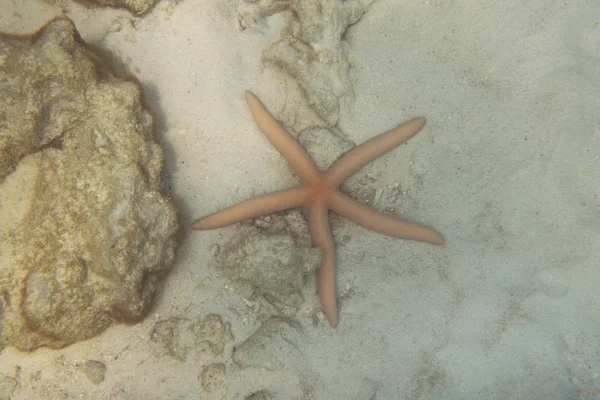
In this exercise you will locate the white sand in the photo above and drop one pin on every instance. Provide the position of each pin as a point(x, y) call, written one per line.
point(507, 168)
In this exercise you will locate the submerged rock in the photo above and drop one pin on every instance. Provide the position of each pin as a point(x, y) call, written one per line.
point(182, 337)
point(213, 379)
point(86, 233)
point(273, 346)
point(261, 395)
point(311, 49)
point(94, 370)
point(138, 7)
point(275, 265)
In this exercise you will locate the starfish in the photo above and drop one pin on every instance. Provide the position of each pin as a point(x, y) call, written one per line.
point(320, 193)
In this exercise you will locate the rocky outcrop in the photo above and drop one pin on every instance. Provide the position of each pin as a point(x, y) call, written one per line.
point(312, 49)
point(86, 233)
point(138, 7)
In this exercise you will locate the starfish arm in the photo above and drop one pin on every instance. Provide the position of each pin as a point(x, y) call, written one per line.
point(254, 207)
point(380, 222)
point(366, 152)
point(285, 143)
point(321, 237)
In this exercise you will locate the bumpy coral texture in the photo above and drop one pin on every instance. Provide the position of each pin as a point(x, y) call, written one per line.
point(312, 49)
point(97, 233)
point(138, 7)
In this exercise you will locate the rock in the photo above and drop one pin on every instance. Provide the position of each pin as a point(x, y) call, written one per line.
point(86, 233)
point(273, 264)
point(311, 48)
point(94, 371)
point(211, 333)
point(273, 346)
point(181, 336)
point(166, 333)
point(214, 380)
point(138, 7)
point(261, 395)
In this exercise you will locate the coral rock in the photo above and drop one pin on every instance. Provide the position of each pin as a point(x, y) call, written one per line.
point(138, 7)
point(85, 231)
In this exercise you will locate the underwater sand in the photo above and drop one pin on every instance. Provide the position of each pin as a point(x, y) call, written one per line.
point(507, 169)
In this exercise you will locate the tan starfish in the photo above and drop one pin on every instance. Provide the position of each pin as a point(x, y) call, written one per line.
point(319, 193)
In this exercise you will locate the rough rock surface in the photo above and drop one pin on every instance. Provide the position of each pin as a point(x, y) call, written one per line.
point(261, 395)
point(213, 379)
point(273, 346)
point(138, 7)
point(181, 337)
point(86, 233)
point(94, 370)
point(275, 265)
point(311, 48)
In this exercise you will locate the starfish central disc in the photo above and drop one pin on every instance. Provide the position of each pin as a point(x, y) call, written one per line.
point(317, 192)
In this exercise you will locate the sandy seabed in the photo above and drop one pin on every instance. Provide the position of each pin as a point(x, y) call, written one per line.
point(507, 168)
